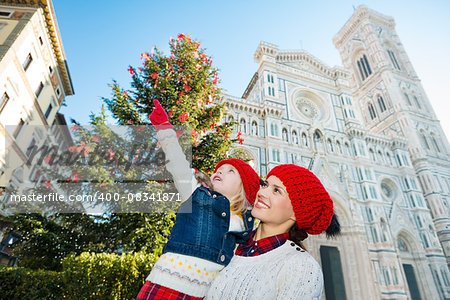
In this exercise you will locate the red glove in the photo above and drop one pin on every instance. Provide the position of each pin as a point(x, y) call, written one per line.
point(159, 118)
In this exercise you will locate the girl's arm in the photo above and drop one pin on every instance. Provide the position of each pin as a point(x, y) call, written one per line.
point(177, 165)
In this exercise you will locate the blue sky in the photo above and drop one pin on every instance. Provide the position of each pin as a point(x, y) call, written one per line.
point(102, 38)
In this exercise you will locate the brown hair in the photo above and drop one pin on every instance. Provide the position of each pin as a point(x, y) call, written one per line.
point(298, 235)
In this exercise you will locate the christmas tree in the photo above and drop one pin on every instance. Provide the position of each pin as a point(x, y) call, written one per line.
point(186, 84)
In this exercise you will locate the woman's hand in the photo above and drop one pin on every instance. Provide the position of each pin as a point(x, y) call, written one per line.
point(159, 117)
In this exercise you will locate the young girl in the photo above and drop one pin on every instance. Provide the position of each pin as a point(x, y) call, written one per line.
point(202, 242)
point(273, 264)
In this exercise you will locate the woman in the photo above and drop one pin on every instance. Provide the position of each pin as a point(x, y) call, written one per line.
point(273, 264)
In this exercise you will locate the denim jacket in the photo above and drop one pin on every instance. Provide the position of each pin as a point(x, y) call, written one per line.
point(204, 232)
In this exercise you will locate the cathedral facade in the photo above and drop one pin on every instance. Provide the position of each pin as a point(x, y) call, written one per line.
point(369, 132)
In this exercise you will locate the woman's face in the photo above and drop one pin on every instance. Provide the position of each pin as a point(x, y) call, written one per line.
point(227, 181)
point(272, 205)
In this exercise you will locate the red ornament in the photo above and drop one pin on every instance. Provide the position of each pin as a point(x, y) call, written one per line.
point(183, 117)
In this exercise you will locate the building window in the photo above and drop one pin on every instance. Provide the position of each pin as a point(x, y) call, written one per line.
point(39, 89)
point(58, 91)
point(330, 145)
point(417, 102)
point(402, 245)
point(50, 69)
point(435, 143)
point(3, 101)
point(419, 222)
point(393, 60)
point(6, 13)
point(380, 156)
point(318, 140)
point(389, 159)
point(425, 241)
point(31, 147)
point(18, 128)
point(424, 141)
point(339, 147)
point(347, 149)
point(41, 41)
point(274, 129)
point(407, 99)
point(27, 62)
point(371, 111)
point(364, 67)
point(444, 276)
point(372, 154)
point(48, 111)
point(381, 104)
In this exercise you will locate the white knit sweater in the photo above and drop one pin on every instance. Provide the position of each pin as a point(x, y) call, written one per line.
point(283, 273)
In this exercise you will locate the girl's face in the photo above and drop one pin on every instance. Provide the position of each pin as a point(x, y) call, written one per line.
point(227, 181)
point(272, 205)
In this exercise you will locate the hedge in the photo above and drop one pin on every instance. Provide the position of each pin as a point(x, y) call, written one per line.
point(87, 276)
point(21, 283)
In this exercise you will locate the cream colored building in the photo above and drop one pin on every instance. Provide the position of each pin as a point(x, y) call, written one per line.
point(34, 81)
point(371, 135)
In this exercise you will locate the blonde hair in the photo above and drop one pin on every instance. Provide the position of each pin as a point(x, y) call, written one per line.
point(239, 203)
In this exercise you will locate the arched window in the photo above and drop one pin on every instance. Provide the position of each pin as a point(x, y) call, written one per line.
point(372, 154)
point(304, 140)
point(389, 158)
point(339, 147)
point(402, 245)
point(381, 104)
point(435, 143)
point(243, 127)
point(347, 149)
point(371, 111)
point(424, 141)
point(425, 241)
point(419, 222)
point(318, 142)
point(274, 129)
point(364, 67)
point(380, 156)
point(393, 60)
point(407, 99)
point(417, 102)
point(295, 137)
point(284, 135)
point(330, 146)
point(384, 231)
point(254, 128)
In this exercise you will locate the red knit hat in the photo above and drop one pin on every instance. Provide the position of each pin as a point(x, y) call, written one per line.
point(312, 205)
point(249, 178)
